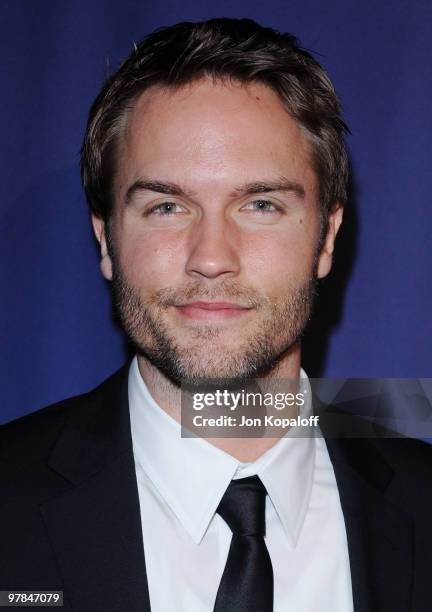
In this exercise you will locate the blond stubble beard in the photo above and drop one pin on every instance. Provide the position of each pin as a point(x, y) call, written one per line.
point(204, 357)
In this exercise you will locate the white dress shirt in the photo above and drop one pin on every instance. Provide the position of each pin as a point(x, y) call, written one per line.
point(180, 484)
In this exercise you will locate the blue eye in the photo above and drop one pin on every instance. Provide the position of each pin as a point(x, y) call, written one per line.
point(264, 206)
point(165, 208)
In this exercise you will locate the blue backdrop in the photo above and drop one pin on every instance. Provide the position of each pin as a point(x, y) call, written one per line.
point(374, 319)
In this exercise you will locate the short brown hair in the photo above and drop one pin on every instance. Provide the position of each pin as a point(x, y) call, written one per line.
point(236, 49)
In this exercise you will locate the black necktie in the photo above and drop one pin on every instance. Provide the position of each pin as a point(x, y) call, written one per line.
point(247, 581)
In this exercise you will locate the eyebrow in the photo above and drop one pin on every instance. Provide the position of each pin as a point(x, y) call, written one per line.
point(173, 189)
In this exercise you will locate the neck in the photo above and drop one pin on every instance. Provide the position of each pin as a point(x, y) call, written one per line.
point(168, 396)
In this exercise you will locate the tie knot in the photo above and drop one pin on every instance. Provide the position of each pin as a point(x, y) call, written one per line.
point(243, 506)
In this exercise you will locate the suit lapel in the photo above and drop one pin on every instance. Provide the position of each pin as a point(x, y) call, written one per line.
point(379, 533)
point(95, 527)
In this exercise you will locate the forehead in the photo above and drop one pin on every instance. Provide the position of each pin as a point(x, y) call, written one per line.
point(208, 131)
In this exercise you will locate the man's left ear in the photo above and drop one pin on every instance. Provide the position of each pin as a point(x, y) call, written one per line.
point(325, 258)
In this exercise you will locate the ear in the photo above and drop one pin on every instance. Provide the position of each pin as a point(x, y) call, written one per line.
point(325, 258)
point(100, 233)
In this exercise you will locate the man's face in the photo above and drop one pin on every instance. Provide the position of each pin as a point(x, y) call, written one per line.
point(215, 230)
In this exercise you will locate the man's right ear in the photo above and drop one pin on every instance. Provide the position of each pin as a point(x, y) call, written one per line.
point(100, 233)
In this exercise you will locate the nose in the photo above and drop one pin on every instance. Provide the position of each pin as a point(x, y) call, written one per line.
point(213, 249)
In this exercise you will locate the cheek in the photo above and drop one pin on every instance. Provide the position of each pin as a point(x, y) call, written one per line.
point(152, 260)
point(275, 259)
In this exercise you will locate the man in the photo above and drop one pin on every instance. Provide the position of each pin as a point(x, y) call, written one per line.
point(215, 170)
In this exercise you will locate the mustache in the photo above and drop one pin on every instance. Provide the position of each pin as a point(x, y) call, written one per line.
point(222, 292)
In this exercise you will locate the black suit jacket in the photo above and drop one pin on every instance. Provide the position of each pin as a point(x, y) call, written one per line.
point(70, 518)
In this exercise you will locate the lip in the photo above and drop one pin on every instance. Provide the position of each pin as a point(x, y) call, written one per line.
point(214, 305)
point(211, 311)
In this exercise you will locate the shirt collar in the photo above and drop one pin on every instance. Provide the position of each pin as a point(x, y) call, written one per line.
point(192, 475)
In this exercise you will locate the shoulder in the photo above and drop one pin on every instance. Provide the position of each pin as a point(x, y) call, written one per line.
point(33, 435)
point(378, 453)
point(409, 458)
